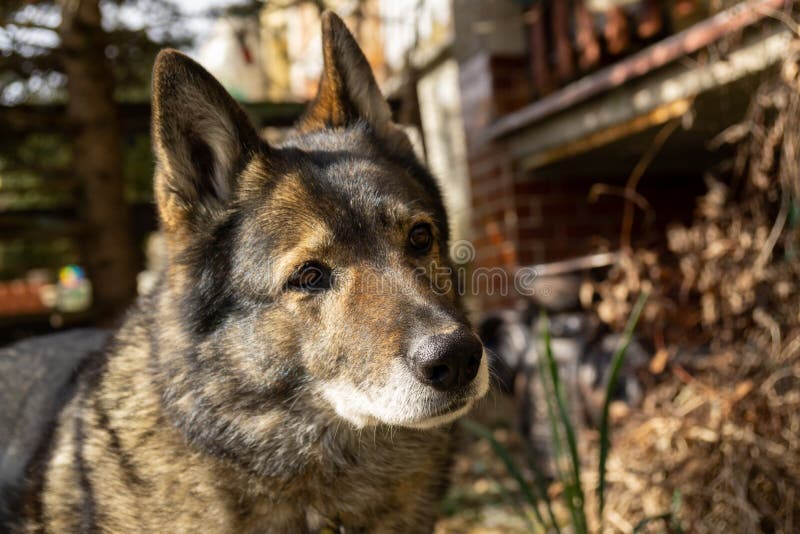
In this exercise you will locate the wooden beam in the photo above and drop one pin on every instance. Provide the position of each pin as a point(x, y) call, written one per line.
point(586, 36)
point(572, 265)
point(565, 64)
point(649, 59)
point(679, 81)
point(538, 46)
point(658, 116)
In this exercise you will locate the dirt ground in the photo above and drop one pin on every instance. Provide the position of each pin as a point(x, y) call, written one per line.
point(478, 499)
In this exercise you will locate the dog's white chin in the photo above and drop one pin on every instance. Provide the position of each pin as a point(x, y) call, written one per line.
point(440, 420)
point(401, 401)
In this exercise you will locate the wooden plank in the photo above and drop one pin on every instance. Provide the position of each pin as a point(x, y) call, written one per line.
point(542, 80)
point(658, 116)
point(586, 37)
point(649, 59)
point(616, 31)
point(565, 65)
point(651, 21)
point(572, 265)
point(670, 84)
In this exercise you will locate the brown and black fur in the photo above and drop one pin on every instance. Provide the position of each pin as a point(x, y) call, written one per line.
point(206, 411)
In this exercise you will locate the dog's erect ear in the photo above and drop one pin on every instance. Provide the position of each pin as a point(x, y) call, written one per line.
point(201, 137)
point(347, 90)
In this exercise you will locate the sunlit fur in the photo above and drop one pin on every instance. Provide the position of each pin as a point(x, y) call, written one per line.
point(230, 402)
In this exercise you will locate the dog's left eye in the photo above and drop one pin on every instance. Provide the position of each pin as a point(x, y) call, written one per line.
point(311, 277)
point(420, 237)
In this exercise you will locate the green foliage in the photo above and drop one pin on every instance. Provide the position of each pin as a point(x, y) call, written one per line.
point(40, 196)
point(39, 150)
point(564, 443)
point(527, 490)
point(35, 175)
point(616, 365)
point(30, 66)
point(53, 253)
point(669, 519)
point(561, 431)
point(138, 166)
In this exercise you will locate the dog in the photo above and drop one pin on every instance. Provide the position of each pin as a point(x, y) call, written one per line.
point(300, 363)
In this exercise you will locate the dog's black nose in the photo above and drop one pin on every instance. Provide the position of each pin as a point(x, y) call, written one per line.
point(447, 361)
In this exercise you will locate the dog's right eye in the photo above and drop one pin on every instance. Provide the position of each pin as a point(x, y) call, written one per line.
point(420, 238)
point(310, 277)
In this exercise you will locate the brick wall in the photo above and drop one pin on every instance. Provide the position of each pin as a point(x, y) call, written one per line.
point(494, 222)
point(491, 86)
point(557, 219)
point(520, 218)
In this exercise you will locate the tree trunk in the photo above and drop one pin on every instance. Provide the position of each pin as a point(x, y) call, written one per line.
point(97, 157)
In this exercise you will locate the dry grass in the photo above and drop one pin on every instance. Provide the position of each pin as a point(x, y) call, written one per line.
point(720, 434)
point(715, 447)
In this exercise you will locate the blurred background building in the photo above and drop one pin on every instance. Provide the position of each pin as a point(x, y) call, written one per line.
point(533, 115)
point(600, 148)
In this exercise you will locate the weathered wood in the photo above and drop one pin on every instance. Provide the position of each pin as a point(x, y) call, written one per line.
point(651, 21)
point(616, 31)
point(647, 60)
point(586, 37)
point(565, 65)
point(542, 79)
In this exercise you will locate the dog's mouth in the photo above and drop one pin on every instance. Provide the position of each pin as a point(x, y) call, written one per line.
point(404, 401)
point(451, 406)
point(446, 414)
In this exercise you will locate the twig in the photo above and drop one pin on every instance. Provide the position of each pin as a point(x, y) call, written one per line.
point(572, 265)
point(774, 234)
point(605, 189)
point(761, 317)
point(636, 175)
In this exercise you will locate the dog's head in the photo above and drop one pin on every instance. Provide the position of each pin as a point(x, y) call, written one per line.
point(318, 268)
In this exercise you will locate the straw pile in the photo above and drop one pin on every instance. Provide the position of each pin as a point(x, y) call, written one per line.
point(716, 443)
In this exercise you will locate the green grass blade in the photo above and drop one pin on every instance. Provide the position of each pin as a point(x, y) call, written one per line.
point(670, 519)
point(616, 365)
point(541, 484)
point(576, 498)
point(558, 448)
point(515, 501)
point(555, 430)
point(512, 467)
point(639, 527)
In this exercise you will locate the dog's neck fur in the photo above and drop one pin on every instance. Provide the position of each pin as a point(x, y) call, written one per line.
point(307, 468)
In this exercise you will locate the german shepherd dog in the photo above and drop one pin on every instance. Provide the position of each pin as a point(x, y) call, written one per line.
point(298, 367)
